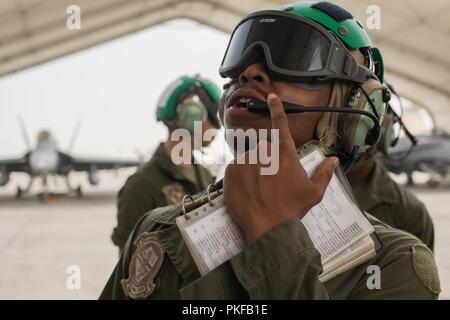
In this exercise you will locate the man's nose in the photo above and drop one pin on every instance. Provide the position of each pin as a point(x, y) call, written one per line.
point(255, 72)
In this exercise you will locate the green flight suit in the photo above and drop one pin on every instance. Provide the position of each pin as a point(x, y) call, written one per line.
point(395, 205)
point(281, 264)
point(159, 182)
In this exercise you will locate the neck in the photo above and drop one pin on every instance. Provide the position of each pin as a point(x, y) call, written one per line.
point(169, 146)
point(360, 175)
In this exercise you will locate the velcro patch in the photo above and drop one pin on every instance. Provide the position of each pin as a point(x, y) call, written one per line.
point(173, 193)
point(425, 268)
point(145, 264)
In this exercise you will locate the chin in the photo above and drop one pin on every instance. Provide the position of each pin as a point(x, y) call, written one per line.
point(245, 124)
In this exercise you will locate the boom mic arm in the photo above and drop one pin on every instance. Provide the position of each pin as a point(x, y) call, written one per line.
point(260, 106)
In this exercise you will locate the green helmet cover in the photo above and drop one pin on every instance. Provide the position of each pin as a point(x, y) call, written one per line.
point(350, 31)
point(354, 35)
point(167, 104)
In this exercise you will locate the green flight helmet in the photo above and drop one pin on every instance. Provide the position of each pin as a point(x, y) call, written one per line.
point(343, 25)
point(176, 102)
point(352, 35)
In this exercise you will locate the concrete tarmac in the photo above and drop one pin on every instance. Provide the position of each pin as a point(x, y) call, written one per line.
point(45, 246)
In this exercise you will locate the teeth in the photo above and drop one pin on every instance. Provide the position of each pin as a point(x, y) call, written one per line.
point(244, 100)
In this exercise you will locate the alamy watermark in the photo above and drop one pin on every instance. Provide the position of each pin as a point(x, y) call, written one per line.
point(73, 21)
point(251, 142)
point(73, 281)
point(374, 280)
point(373, 21)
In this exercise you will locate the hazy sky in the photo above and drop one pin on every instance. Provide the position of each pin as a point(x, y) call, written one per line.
point(113, 87)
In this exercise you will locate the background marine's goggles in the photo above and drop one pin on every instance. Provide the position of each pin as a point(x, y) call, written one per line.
point(294, 49)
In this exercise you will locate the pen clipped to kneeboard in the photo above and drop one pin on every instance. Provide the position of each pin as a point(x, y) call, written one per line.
point(337, 227)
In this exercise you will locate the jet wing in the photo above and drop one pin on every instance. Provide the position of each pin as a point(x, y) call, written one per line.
point(15, 165)
point(432, 151)
point(86, 164)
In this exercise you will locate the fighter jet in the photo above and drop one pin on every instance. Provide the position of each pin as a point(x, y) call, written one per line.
point(46, 160)
point(430, 155)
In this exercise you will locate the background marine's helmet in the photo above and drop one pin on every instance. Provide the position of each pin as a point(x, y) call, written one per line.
point(189, 99)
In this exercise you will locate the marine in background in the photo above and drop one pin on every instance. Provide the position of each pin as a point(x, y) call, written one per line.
point(160, 182)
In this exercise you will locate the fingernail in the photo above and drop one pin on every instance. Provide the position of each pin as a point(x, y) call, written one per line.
point(271, 96)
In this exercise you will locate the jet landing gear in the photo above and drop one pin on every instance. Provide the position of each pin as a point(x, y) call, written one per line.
point(22, 192)
point(77, 191)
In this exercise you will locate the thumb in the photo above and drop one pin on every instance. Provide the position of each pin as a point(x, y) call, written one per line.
point(323, 174)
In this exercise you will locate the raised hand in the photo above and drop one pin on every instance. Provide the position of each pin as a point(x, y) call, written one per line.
point(260, 202)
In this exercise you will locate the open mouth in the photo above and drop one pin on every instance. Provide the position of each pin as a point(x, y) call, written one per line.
point(244, 102)
point(251, 105)
point(245, 98)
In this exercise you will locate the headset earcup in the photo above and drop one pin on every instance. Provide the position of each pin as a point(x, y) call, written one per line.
point(373, 136)
point(388, 136)
point(188, 114)
point(365, 133)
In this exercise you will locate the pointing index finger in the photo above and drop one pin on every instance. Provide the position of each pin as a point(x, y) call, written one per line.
point(279, 119)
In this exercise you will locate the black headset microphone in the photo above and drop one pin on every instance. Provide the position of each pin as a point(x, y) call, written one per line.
point(372, 136)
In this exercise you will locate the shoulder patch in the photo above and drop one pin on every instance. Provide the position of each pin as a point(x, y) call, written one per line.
point(425, 267)
point(173, 192)
point(145, 264)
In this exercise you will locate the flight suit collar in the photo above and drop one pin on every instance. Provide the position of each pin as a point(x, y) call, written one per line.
point(167, 215)
point(175, 247)
point(379, 189)
point(170, 213)
point(163, 161)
